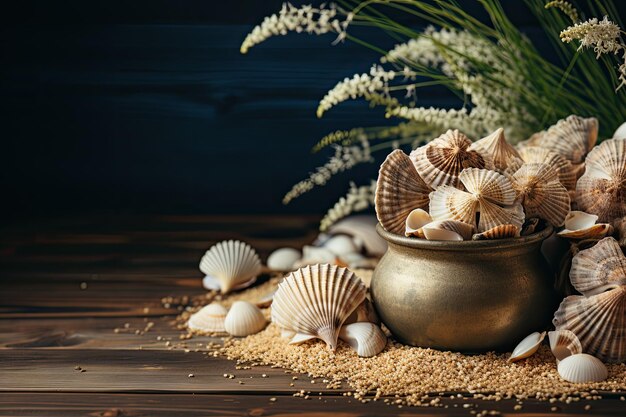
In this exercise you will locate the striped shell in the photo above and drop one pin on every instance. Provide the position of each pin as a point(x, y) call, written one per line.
point(399, 190)
point(504, 231)
point(497, 149)
point(316, 300)
point(536, 154)
point(231, 264)
point(209, 319)
point(599, 268)
point(564, 343)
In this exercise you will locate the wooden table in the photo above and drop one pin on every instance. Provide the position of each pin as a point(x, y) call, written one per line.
point(66, 285)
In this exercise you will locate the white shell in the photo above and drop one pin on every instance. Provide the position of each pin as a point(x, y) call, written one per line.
point(448, 230)
point(367, 339)
point(416, 219)
point(232, 263)
point(582, 368)
point(363, 229)
point(581, 225)
point(214, 284)
point(620, 132)
point(527, 347)
point(244, 319)
point(283, 259)
point(316, 255)
point(316, 300)
point(209, 319)
point(577, 220)
point(564, 343)
point(340, 245)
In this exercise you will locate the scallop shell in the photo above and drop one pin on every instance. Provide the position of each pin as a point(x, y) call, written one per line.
point(364, 312)
point(541, 193)
point(581, 225)
point(450, 203)
point(244, 319)
point(363, 230)
point(283, 259)
point(317, 300)
point(209, 319)
point(488, 185)
point(503, 231)
point(599, 268)
point(564, 343)
point(582, 368)
point(535, 154)
point(416, 219)
point(365, 338)
point(399, 190)
point(527, 347)
point(497, 148)
point(602, 189)
point(448, 230)
point(441, 161)
point(231, 263)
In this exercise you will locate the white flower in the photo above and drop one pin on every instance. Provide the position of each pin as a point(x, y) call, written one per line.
point(603, 35)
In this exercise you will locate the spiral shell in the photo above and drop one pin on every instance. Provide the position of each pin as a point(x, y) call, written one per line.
point(365, 338)
point(231, 263)
point(416, 219)
point(496, 148)
point(209, 319)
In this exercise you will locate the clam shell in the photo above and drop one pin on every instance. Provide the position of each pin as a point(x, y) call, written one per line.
point(317, 300)
point(597, 231)
point(232, 263)
point(399, 190)
point(578, 220)
point(497, 148)
point(416, 219)
point(283, 259)
point(364, 312)
point(534, 154)
point(244, 319)
point(448, 230)
point(541, 193)
point(365, 338)
point(441, 161)
point(602, 189)
point(209, 319)
point(503, 231)
point(582, 368)
point(564, 343)
point(363, 229)
point(341, 245)
point(527, 347)
point(599, 268)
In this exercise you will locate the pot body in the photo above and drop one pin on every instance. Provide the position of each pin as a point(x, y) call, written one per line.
point(471, 296)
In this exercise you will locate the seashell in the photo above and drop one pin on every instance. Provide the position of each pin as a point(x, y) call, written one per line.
point(317, 300)
point(441, 161)
point(265, 300)
point(534, 154)
point(209, 319)
point(530, 226)
point(541, 193)
point(283, 259)
point(399, 190)
point(357, 260)
point(299, 338)
point(489, 185)
point(341, 245)
point(581, 368)
point(365, 338)
point(450, 203)
point(363, 230)
point(527, 347)
point(315, 255)
point(416, 219)
point(620, 132)
point(497, 148)
point(232, 263)
point(580, 225)
point(602, 188)
point(448, 230)
point(599, 268)
point(364, 312)
point(503, 231)
point(572, 137)
point(244, 319)
point(620, 227)
point(213, 284)
point(564, 343)
point(578, 220)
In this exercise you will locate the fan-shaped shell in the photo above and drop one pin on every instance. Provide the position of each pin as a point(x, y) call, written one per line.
point(601, 267)
point(497, 148)
point(283, 259)
point(564, 343)
point(449, 203)
point(365, 338)
point(441, 161)
point(399, 190)
point(492, 215)
point(488, 185)
point(317, 300)
point(244, 319)
point(527, 347)
point(536, 154)
point(503, 231)
point(209, 319)
point(541, 193)
point(602, 189)
point(416, 219)
point(232, 263)
point(582, 368)
point(448, 230)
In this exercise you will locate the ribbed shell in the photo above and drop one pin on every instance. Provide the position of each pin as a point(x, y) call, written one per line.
point(450, 203)
point(399, 190)
point(582, 368)
point(541, 193)
point(488, 185)
point(503, 231)
point(441, 161)
point(244, 319)
point(316, 300)
point(564, 343)
point(209, 319)
point(602, 189)
point(599, 322)
point(492, 215)
point(367, 339)
point(496, 148)
point(463, 230)
point(231, 262)
point(601, 267)
point(536, 154)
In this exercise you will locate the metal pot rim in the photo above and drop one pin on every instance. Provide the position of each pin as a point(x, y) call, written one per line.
point(466, 245)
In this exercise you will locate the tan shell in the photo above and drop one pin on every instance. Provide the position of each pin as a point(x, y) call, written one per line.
point(441, 161)
point(232, 263)
point(450, 203)
point(244, 319)
point(535, 154)
point(599, 268)
point(367, 339)
point(541, 193)
point(316, 300)
point(209, 319)
point(416, 219)
point(448, 230)
point(399, 190)
point(572, 137)
point(602, 189)
point(564, 343)
point(496, 148)
point(580, 225)
point(503, 231)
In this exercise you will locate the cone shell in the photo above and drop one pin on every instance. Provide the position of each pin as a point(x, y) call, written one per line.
point(441, 161)
point(564, 343)
point(582, 368)
point(448, 230)
point(504, 231)
point(399, 190)
point(527, 347)
point(601, 267)
point(232, 263)
point(602, 189)
point(535, 154)
point(541, 193)
point(244, 319)
point(367, 339)
point(416, 219)
point(496, 148)
point(316, 300)
point(209, 319)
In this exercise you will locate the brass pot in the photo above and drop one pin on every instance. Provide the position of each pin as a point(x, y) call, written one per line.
point(470, 296)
